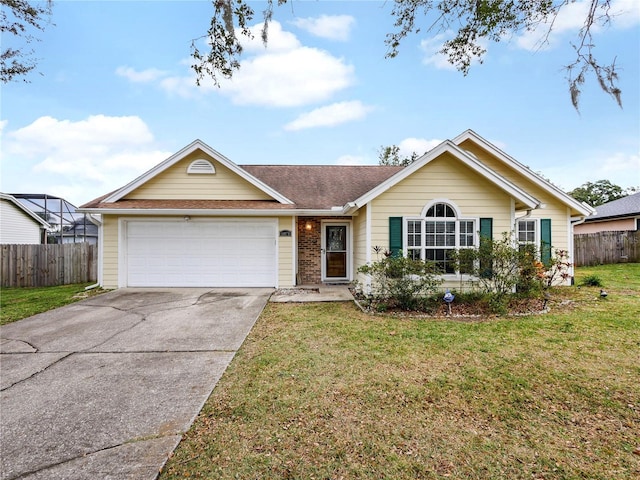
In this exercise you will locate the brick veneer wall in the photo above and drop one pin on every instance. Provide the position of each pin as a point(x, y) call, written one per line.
point(309, 244)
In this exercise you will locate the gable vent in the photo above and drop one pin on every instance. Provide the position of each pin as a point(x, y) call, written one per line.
point(201, 166)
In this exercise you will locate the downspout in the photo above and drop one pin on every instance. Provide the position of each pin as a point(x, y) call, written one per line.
point(579, 221)
point(100, 242)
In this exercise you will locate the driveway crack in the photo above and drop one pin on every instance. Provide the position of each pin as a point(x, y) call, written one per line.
point(36, 373)
point(130, 327)
point(22, 341)
point(87, 454)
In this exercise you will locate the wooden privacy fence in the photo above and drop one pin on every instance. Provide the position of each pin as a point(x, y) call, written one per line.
point(48, 265)
point(604, 248)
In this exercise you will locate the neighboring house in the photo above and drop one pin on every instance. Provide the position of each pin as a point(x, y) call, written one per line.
point(66, 224)
point(621, 214)
point(81, 230)
point(18, 224)
point(198, 219)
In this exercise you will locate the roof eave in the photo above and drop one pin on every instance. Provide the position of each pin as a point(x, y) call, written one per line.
point(522, 169)
point(10, 198)
point(208, 212)
point(448, 146)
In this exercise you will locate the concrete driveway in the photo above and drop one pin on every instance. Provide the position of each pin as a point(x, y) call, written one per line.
point(105, 388)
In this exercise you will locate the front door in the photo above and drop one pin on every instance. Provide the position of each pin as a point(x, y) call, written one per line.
point(335, 248)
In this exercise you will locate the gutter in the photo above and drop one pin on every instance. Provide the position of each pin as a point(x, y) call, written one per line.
point(337, 212)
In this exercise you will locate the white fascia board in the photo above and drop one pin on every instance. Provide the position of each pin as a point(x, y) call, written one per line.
point(176, 157)
point(211, 212)
point(25, 210)
point(523, 170)
point(458, 153)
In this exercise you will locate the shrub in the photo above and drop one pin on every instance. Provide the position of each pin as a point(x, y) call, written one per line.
point(592, 281)
point(400, 281)
point(497, 264)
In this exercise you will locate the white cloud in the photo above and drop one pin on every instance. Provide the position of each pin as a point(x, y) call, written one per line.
point(142, 76)
point(332, 27)
point(278, 40)
point(284, 74)
point(330, 116)
point(288, 79)
point(79, 160)
point(417, 145)
point(620, 168)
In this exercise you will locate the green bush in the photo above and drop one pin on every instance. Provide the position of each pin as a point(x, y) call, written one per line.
point(592, 281)
point(400, 281)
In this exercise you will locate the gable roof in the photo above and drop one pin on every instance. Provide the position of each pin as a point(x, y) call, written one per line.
point(11, 199)
point(448, 146)
point(176, 157)
point(554, 191)
point(326, 189)
point(625, 206)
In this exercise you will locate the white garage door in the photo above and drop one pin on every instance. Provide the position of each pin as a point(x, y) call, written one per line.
point(198, 253)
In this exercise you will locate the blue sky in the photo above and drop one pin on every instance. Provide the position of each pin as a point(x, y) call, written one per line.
point(115, 96)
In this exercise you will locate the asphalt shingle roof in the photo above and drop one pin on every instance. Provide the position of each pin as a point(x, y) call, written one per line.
point(307, 186)
point(321, 186)
point(629, 205)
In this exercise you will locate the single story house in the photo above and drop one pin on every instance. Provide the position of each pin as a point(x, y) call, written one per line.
point(18, 224)
point(81, 230)
point(621, 214)
point(198, 219)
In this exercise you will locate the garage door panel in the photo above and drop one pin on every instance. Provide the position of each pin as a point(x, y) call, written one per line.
point(201, 253)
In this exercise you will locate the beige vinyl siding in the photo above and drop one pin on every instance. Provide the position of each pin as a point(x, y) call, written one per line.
point(176, 184)
point(557, 211)
point(359, 241)
point(109, 251)
point(286, 277)
point(443, 178)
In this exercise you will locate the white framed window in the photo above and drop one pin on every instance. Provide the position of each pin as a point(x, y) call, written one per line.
point(439, 232)
point(527, 234)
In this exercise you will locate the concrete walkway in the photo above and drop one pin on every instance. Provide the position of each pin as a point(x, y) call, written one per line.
point(104, 388)
point(313, 293)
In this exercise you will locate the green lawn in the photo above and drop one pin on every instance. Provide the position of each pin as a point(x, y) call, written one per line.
point(19, 303)
point(324, 391)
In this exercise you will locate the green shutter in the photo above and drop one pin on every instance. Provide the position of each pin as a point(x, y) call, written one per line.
point(545, 240)
point(395, 235)
point(486, 238)
point(486, 228)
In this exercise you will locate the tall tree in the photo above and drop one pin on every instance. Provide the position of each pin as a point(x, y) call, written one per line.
point(391, 156)
point(473, 21)
point(600, 192)
point(17, 19)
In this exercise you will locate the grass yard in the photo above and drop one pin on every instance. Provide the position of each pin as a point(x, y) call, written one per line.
point(324, 391)
point(19, 303)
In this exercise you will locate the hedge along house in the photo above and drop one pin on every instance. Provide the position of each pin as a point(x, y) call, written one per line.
point(198, 219)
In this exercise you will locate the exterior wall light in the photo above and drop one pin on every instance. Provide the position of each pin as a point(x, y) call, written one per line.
point(187, 218)
point(308, 226)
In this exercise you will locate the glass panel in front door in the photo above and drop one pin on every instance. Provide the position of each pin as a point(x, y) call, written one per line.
point(336, 254)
